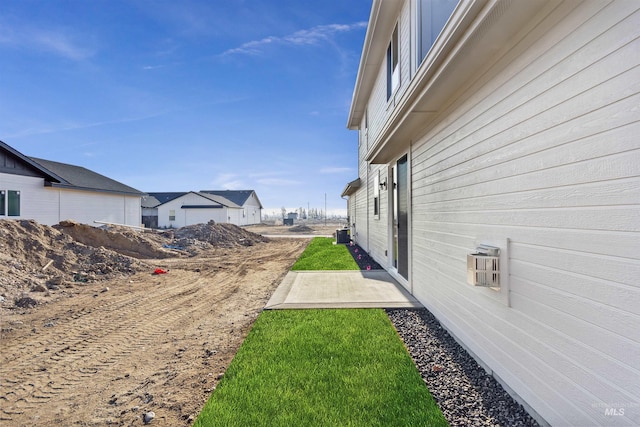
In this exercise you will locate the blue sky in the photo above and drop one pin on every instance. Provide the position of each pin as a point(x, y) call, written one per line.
point(188, 95)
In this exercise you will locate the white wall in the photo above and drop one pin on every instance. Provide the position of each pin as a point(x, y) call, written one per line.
point(541, 152)
point(49, 205)
point(185, 217)
point(252, 211)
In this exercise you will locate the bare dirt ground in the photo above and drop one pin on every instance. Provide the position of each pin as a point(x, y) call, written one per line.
point(90, 336)
point(316, 228)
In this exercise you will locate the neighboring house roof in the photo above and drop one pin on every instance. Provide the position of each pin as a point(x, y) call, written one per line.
point(239, 197)
point(163, 198)
point(77, 177)
point(219, 199)
point(62, 175)
point(150, 202)
point(29, 163)
point(351, 187)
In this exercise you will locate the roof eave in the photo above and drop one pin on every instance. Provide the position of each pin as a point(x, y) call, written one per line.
point(378, 33)
point(48, 174)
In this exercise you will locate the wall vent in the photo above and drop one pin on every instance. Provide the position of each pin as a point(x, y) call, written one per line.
point(483, 267)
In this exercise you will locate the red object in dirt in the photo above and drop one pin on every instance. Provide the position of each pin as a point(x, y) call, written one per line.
point(368, 267)
point(159, 271)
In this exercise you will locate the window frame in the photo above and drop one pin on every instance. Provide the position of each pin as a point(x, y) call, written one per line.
point(13, 203)
point(422, 52)
point(376, 195)
point(393, 63)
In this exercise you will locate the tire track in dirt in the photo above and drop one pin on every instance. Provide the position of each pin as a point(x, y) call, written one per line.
point(108, 338)
point(39, 375)
point(111, 339)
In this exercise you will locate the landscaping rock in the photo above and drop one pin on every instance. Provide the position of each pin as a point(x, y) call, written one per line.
point(364, 261)
point(466, 393)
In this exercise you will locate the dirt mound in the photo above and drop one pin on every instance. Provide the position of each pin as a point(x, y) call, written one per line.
point(212, 234)
point(301, 229)
point(125, 241)
point(38, 258)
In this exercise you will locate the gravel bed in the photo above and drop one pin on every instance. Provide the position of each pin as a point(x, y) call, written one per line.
point(363, 259)
point(466, 394)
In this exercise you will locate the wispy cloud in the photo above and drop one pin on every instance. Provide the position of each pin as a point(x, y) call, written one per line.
point(333, 170)
point(228, 181)
point(78, 126)
point(310, 36)
point(57, 42)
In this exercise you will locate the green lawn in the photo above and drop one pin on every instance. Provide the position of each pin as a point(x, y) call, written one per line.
point(322, 254)
point(322, 368)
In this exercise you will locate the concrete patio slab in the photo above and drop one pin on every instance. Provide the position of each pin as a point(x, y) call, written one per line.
point(340, 289)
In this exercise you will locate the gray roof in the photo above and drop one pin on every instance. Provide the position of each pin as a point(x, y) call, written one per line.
point(239, 197)
point(351, 187)
point(150, 202)
point(63, 175)
point(163, 198)
point(219, 199)
point(78, 177)
point(30, 164)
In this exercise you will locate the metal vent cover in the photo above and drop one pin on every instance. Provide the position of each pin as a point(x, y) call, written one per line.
point(483, 267)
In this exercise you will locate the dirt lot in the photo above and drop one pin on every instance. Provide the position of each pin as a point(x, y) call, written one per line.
point(317, 228)
point(90, 336)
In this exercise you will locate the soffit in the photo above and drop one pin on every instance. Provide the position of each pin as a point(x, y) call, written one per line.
point(469, 43)
point(383, 17)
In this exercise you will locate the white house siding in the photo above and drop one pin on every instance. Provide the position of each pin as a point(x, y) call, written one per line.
point(35, 201)
point(190, 216)
point(544, 151)
point(378, 241)
point(361, 204)
point(236, 216)
point(50, 205)
point(88, 207)
point(251, 213)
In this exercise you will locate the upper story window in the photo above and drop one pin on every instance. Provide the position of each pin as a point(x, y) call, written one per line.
point(432, 16)
point(393, 64)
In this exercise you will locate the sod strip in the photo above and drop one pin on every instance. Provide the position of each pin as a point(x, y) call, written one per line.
point(322, 368)
point(322, 254)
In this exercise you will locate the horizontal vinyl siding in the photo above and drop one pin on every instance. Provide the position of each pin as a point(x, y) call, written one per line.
point(378, 226)
point(133, 211)
point(36, 201)
point(86, 207)
point(360, 198)
point(379, 107)
point(50, 205)
point(361, 218)
point(544, 151)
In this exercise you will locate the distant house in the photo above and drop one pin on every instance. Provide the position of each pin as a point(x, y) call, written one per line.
point(50, 192)
point(247, 200)
point(178, 209)
point(513, 125)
